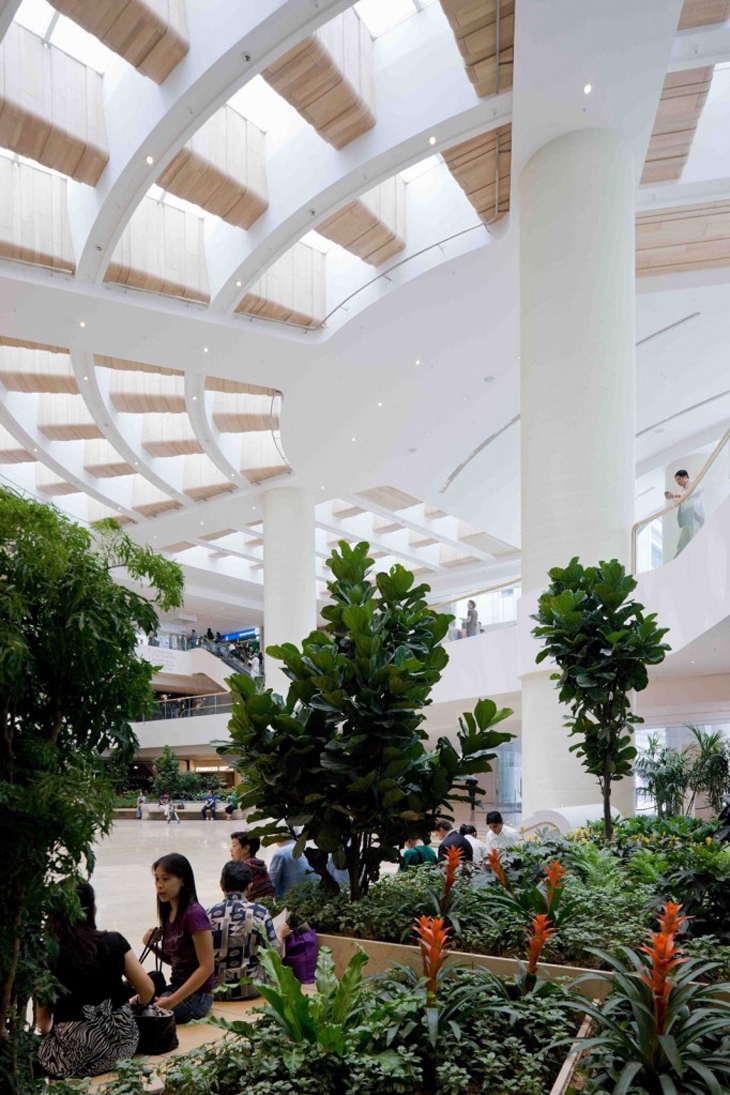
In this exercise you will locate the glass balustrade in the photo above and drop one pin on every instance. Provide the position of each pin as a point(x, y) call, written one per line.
point(662, 536)
point(187, 707)
point(495, 607)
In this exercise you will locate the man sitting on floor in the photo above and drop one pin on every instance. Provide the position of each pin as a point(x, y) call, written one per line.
point(240, 929)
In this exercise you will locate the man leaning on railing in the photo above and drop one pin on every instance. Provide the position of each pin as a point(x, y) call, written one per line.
point(689, 512)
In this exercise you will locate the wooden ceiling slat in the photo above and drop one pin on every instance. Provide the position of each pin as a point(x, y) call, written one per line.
point(292, 290)
point(474, 23)
point(222, 169)
point(481, 167)
point(34, 224)
point(51, 107)
point(328, 79)
point(703, 13)
point(680, 106)
point(152, 35)
point(373, 227)
point(689, 238)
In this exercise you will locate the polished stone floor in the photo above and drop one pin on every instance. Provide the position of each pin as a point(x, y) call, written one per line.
point(122, 877)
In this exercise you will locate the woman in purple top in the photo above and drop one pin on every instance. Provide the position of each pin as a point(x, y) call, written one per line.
point(186, 939)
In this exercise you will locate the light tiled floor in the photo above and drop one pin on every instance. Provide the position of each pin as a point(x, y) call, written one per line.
point(122, 876)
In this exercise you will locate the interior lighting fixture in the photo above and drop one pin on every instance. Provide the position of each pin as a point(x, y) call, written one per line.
point(432, 140)
point(150, 160)
point(239, 284)
point(380, 404)
point(418, 361)
point(82, 323)
point(86, 378)
point(194, 398)
point(354, 439)
point(205, 349)
point(587, 89)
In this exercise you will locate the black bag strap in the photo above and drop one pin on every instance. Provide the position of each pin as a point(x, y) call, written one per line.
point(157, 954)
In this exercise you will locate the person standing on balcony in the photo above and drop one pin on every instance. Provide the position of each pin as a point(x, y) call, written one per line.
point(689, 512)
point(471, 624)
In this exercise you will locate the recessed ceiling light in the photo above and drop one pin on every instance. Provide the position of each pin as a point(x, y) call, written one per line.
point(239, 284)
point(35, 450)
point(380, 404)
point(150, 160)
point(321, 488)
point(202, 522)
point(205, 349)
point(82, 323)
point(418, 361)
point(86, 378)
point(432, 139)
point(587, 89)
point(194, 398)
point(354, 439)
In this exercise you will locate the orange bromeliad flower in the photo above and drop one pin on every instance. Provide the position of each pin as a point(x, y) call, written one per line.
point(453, 859)
point(556, 875)
point(495, 862)
point(433, 939)
point(664, 956)
point(539, 933)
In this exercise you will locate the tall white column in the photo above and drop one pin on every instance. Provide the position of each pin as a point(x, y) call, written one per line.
point(290, 604)
point(577, 403)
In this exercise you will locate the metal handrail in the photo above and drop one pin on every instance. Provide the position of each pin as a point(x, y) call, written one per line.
point(676, 503)
point(477, 592)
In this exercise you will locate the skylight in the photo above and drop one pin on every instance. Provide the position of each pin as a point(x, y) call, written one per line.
point(421, 168)
point(319, 243)
point(380, 16)
point(39, 17)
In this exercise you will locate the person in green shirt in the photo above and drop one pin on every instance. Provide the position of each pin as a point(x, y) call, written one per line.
point(416, 853)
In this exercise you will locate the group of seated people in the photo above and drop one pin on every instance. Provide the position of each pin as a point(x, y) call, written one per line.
point(466, 839)
point(90, 1025)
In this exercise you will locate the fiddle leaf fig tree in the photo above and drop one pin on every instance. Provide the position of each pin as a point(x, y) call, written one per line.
point(343, 760)
point(602, 644)
point(72, 682)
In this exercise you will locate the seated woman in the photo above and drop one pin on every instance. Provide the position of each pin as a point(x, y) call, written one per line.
point(185, 938)
point(90, 1026)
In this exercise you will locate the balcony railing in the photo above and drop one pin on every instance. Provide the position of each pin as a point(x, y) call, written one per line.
point(659, 538)
point(496, 607)
point(189, 707)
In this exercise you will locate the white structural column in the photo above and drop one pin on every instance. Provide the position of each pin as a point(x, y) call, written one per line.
point(577, 401)
point(290, 606)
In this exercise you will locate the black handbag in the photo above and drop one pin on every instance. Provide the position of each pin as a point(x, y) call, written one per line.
point(156, 1026)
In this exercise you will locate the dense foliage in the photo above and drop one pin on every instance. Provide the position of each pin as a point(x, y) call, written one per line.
point(342, 760)
point(168, 778)
point(356, 1038)
point(71, 683)
point(612, 893)
point(602, 644)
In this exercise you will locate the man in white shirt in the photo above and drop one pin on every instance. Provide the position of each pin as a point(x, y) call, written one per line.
point(480, 849)
point(500, 835)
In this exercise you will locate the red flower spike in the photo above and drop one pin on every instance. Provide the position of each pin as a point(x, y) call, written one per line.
point(495, 862)
point(433, 939)
point(556, 875)
point(664, 955)
point(539, 933)
point(453, 860)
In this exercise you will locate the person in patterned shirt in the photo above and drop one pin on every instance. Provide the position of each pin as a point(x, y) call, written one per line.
point(240, 929)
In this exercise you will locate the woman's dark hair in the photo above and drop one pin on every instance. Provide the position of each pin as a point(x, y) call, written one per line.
point(78, 940)
point(254, 843)
point(467, 830)
point(179, 866)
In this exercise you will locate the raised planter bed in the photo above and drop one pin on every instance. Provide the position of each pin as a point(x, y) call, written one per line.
point(384, 955)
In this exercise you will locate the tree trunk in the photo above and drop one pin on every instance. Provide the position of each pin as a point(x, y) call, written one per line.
point(606, 788)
